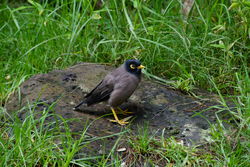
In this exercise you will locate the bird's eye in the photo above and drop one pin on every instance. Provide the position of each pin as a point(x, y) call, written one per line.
point(132, 66)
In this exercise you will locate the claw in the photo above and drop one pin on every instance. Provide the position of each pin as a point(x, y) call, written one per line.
point(127, 118)
point(124, 112)
point(121, 122)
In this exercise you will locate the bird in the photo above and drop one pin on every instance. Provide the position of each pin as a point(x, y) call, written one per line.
point(116, 87)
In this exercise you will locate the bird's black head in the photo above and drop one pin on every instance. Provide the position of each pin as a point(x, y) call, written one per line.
point(134, 66)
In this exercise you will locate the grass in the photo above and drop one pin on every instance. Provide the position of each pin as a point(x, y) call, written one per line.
point(210, 50)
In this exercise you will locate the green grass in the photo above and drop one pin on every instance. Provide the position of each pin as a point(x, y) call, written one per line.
point(209, 50)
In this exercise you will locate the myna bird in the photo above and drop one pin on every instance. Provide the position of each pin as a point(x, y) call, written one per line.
point(116, 87)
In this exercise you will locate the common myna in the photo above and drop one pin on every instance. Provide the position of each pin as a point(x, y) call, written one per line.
point(116, 87)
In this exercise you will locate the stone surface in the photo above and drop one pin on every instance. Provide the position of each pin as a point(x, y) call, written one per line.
point(160, 108)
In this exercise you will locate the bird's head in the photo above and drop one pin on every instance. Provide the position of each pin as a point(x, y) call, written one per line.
point(134, 66)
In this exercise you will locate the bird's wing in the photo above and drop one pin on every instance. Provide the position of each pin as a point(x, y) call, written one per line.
point(101, 92)
point(123, 89)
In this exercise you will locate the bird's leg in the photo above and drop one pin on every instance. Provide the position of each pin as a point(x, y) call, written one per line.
point(124, 112)
point(121, 122)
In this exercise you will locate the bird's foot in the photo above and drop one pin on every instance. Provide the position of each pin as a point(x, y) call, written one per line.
point(124, 112)
point(122, 121)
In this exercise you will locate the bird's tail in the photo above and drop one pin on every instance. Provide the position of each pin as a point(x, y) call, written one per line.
point(83, 102)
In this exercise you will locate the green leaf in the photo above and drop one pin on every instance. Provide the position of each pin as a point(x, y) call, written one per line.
point(234, 5)
point(96, 16)
point(222, 46)
point(37, 6)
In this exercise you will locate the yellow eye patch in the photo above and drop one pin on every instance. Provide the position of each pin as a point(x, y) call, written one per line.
point(132, 66)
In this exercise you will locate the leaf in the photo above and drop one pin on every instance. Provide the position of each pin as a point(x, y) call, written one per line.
point(37, 6)
point(222, 46)
point(136, 4)
point(96, 16)
point(247, 3)
point(234, 5)
point(21, 8)
point(15, 20)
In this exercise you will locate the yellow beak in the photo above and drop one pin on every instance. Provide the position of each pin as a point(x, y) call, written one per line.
point(140, 67)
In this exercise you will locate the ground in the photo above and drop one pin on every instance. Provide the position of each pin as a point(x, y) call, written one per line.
point(163, 110)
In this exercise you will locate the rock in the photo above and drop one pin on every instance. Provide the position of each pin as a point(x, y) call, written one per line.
point(159, 107)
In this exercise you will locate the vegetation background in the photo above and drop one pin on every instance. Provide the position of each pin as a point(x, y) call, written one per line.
point(208, 47)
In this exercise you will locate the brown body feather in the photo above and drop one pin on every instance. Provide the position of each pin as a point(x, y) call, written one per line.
point(116, 87)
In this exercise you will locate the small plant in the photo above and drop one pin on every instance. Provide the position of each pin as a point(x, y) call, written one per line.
point(36, 142)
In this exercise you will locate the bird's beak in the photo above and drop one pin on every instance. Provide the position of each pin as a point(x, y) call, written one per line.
point(140, 67)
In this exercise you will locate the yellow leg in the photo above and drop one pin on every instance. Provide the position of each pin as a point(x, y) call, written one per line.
point(121, 122)
point(124, 112)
